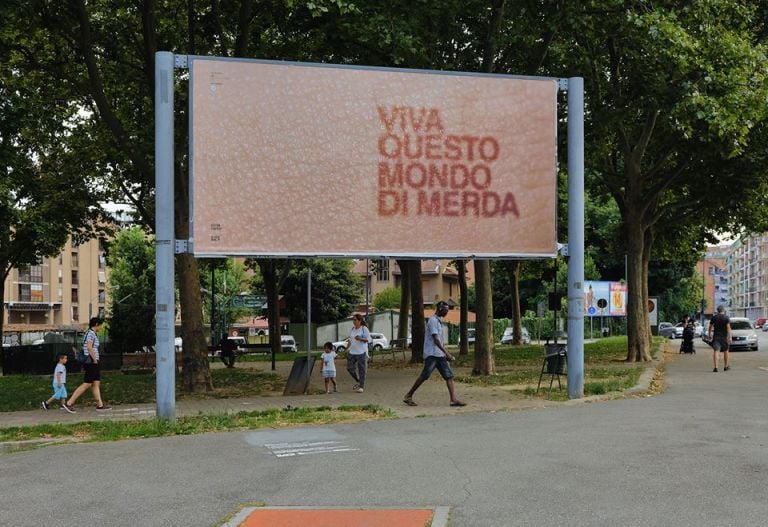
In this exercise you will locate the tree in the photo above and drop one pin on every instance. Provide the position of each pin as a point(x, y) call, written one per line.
point(131, 258)
point(44, 196)
point(388, 298)
point(676, 96)
point(335, 290)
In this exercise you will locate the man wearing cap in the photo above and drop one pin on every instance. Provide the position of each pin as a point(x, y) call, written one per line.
point(720, 337)
point(435, 356)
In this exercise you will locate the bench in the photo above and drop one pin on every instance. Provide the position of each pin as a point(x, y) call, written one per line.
point(399, 345)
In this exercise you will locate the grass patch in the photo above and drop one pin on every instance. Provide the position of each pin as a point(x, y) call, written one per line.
point(24, 392)
point(119, 430)
point(605, 369)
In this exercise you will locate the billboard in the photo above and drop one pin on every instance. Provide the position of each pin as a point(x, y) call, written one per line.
point(603, 299)
point(290, 159)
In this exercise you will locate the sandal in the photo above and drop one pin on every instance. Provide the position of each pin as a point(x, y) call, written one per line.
point(410, 402)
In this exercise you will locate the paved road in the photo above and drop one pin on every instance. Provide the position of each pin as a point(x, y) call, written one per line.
point(694, 456)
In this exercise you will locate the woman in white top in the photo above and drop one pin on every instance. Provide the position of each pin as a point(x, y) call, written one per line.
point(357, 353)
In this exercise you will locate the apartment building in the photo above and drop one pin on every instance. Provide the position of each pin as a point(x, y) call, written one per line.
point(439, 279)
point(59, 293)
point(747, 265)
point(713, 270)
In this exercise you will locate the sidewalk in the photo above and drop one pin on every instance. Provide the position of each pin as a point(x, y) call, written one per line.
point(384, 387)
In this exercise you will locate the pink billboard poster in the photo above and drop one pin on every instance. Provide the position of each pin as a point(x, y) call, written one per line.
point(618, 303)
point(300, 160)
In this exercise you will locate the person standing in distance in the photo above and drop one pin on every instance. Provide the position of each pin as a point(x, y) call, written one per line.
point(91, 368)
point(357, 354)
point(720, 337)
point(435, 356)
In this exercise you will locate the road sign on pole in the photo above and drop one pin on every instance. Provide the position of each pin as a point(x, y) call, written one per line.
point(249, 301)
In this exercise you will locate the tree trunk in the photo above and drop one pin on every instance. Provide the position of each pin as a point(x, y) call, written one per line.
point(484, 360)
point(517, 319)
point(463, 307)
point(638, 327)
point(195, 371)
point(405, 299)
point(417, 310)
point(272, 282)
point(646, 260)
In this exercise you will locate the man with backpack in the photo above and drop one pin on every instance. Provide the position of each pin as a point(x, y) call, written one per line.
point(720, 337)
point(88, 356)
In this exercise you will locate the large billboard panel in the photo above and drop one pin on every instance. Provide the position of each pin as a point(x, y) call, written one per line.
point(292, 159)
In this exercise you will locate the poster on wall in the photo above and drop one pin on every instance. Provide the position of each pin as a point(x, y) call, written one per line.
point(296, 159)
point(618, 299)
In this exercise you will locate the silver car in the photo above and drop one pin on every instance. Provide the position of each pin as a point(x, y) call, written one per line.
point(743, 335)
point(509, 336)
point(667, 330)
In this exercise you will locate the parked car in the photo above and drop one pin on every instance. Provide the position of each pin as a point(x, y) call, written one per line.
point(509, 336)
point(470, 337)
point(743, 335)
point(765, 327)
point(288, 344)
point(666, 330)
point(760, 323)
point(379, 342)
point(340, 345)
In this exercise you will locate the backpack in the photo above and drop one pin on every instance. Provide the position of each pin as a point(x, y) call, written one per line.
point(82, 354)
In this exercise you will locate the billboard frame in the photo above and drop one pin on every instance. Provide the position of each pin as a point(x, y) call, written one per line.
point(189, 63)
point(166, 245)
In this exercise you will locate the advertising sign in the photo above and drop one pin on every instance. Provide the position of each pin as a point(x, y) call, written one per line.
point(596, 298)
point(618, 301)
point(290, 159)
point(605, 299)
point(653, 311)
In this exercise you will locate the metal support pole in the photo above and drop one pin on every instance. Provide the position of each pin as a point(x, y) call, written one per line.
point(576, 237)
point(309, 322)
point(165, 306)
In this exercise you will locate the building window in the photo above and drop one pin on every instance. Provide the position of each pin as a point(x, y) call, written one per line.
point(74, 260)
point(24, 274)
point(74, 295)
point(382, 270)
point(25, 293)
point(74, 278)
point(102, 296)
point(75, 314)
point(36, 273)
point(36, 292)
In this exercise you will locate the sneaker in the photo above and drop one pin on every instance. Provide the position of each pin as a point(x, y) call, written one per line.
point(44, 405)
point(359, 389)
point(355, 387)
point(726, 368)
point(714, 370)
point(68, 408)
point(103, 407)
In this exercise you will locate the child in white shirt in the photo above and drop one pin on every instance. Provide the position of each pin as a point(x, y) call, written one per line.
point(329, 367)
point(59, 382)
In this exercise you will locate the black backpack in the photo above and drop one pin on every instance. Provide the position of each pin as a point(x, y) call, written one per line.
point(82, 354)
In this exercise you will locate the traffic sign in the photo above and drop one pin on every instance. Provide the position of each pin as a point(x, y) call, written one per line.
point(249, 301)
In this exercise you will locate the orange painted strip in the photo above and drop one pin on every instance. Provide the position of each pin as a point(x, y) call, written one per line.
point(338, 518)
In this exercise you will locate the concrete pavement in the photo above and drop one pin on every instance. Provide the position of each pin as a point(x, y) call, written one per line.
point(694, 455)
